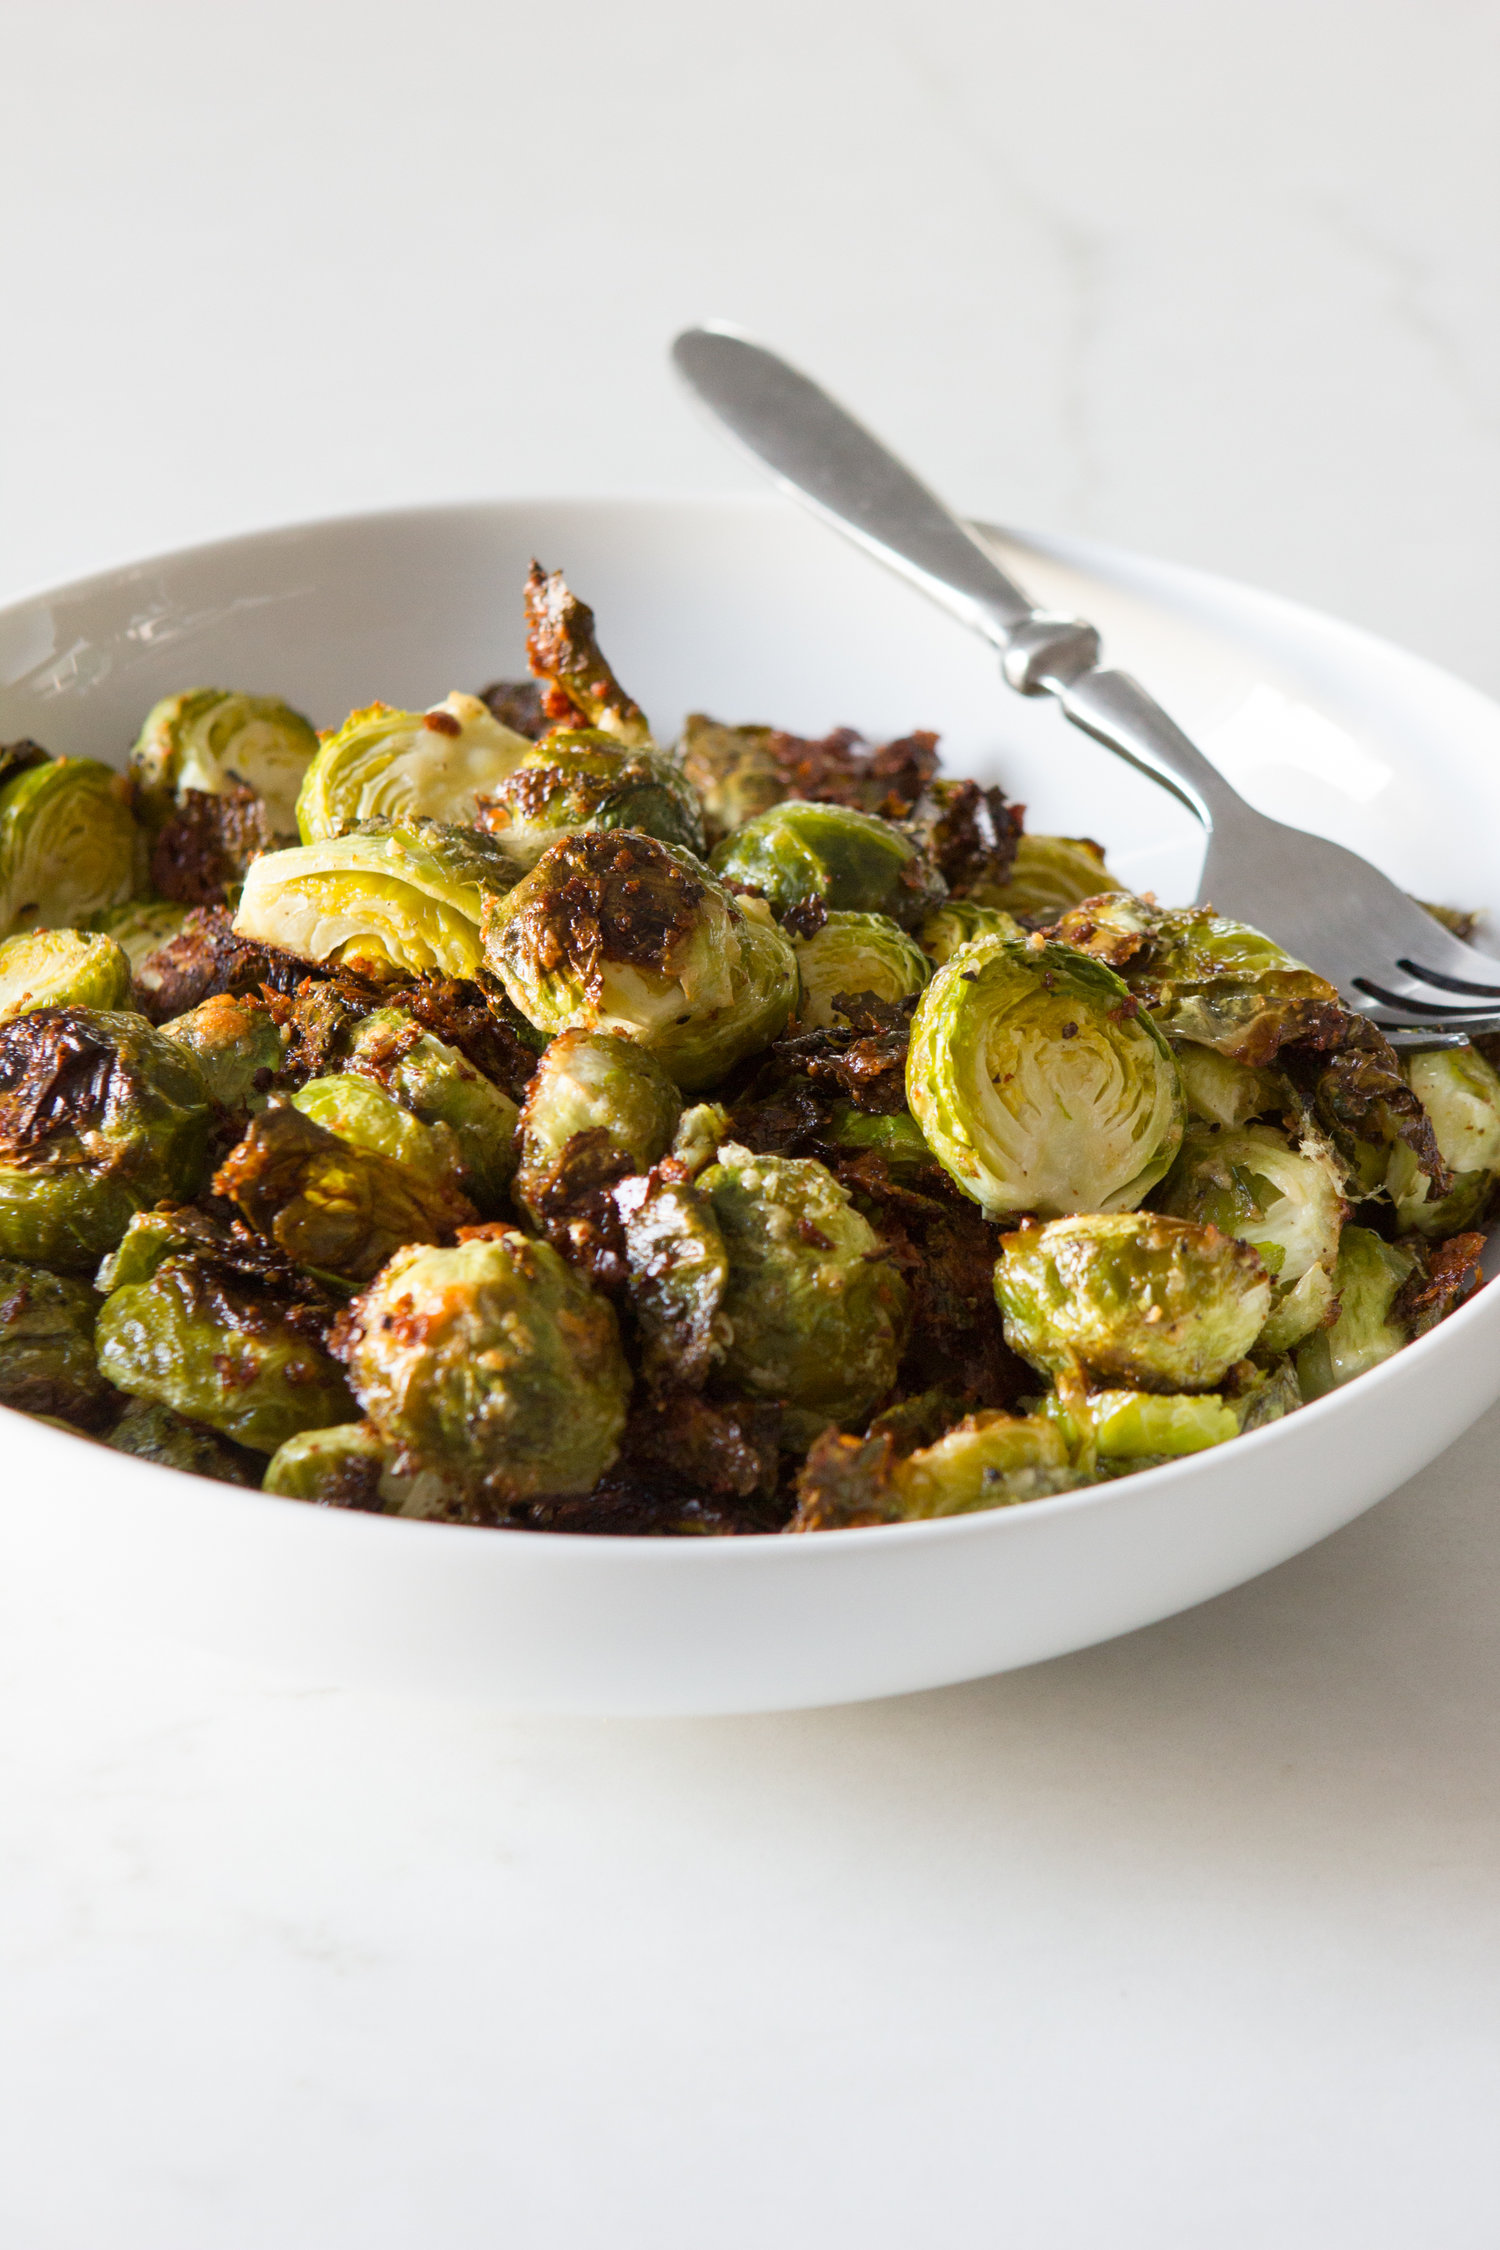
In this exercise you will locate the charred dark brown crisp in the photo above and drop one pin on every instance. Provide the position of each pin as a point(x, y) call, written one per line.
point(970, 833)
point(205, 849)
point(442, 722)
point(686, 1466)
point(517, 704)
point(609, 896)
point(1351, 1074)
point(805, 918)
point(235, 1271)
point(59, 1071)
point(562, 648)
point(353, 1481)
point(841, 768)
point(576, 1211)
point(1445, 1274)
point(206, 958)
point(19, 757)
point(864, 1056)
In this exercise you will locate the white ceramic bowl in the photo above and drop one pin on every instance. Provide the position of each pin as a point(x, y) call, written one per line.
point(747, 609)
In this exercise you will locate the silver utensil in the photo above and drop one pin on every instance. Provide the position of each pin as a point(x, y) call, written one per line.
point(1389, 958)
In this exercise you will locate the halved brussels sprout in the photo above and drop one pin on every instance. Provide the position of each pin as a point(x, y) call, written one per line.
point(563, 649)
point(598, 1084)
point(61, 969)
point(47, 1363)
point(1204, 976)
point(155, 1433)
point(338, 1468)
point(958, 921)
point(987, 1460)
point(402, 766)
point(1367, 1280)
point(386, 902)
point(443, 1088)
point(217, 1349)
point(211, 740)
point(1460, 1092)
point(733, 770)
point(239, 1045)
point(100, 1116)
point(330, 1204)
point(678, 1272)
point(1220, 1091)
point(1047, 876)
point(1037, 1083)
point(617, 932)
point(855, 953)
point(816, 1312)
point(1131, 1297)
point(361, 1112)
point(69, 844)
point(140, 926)
point(1286, 1202)
point(489, 1363)
point(853, 861)
point(1144, 1426)
point(587, 779)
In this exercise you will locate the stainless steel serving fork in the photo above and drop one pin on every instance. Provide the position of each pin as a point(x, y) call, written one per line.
point(1389, 958)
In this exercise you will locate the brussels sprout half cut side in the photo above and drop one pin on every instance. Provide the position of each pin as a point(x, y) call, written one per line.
point(69, 845)
point(61, 969)
point(212, 740)
point(402, 766)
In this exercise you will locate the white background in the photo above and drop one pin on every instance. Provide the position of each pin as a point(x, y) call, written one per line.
point(1192, 1938)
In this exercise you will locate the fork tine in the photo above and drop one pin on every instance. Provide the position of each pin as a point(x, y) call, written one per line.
point(1450, 983)
point(1411, 1002)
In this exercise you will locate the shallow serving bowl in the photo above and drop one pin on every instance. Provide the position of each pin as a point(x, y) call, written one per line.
point(746, 609)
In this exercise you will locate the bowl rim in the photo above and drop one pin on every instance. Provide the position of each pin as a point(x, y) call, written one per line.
point(668, 1551)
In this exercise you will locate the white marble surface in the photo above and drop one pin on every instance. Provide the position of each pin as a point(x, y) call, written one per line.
point(1189, 1938)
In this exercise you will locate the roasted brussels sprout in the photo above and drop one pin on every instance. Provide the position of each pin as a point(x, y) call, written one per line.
point(599, 1085)
point(896, 1137)
point(69, 845)
point(140, 926)
point(733, 769)
point(1131, 1297)
point(47, 1363)
point(402, 766)
point(851, 860)
point(700, 1131)
point(855, 953)
point(1143, 1427)
point(1367, 1280)
point(1038, 1085)
point(563, 650)
point(239, 1045)
point(61, 969)
point(329, 1203)
point(585, 779)
point(1205, 977)
point(1047, 876)
point(816, 1312)
point(1222, 1092)
point(443, 1088)
point(100, 1116)
point(211, 740)
point(1350, 1082)
point(678, 1272)
point(1460, 1092)
point(958, 921)
point(617, 932)
point(489, 1363)
point(987, 1460)
point(361, 1112)
point(154, 1433)
point(1286, 1202)
point(339, 1468)
point(386, 902)
point(221, 1348)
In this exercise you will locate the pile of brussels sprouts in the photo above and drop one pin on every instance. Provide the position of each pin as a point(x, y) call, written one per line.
point(487, 1114)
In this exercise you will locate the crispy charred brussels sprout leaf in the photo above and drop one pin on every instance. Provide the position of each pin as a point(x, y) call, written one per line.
point(239, 1045)
point(617, 932)
point(385, 902)
point(140, 926)
point(960, 920)
point(1460, 1092)
point(329, 1204)
point(201, 958)
point(678, 1272)
point(1131, 1297)
point(218, 1348)
point(47, 1363)
point(1222, 1092)
point(1351, 1080)
point(1286, 1202)
point(1037, 1083)
point(155, 1433)
point(598, 1086)
point(733, 769)
point(970, 834)
point(1367, 1281)
point(562, 650)
point(210, 740)
point(402, 766)
point(519, 705)
point(1205, 977)
point(988, 1460)
point(816, 1313)
point(202, 855)
point(100, 1116)
point(61, 969)
point(850, 860)
point(855, 953)
point(586, 779)
point(491, 1364)
point(1047, 876)
point(338, 1468)
point(443, 1088)
point(69, 845)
